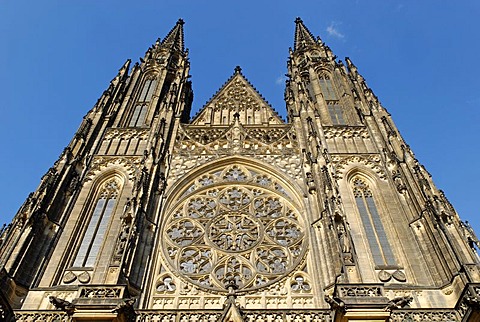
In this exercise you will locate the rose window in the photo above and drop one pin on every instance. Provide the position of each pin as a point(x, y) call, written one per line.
point(221, 234)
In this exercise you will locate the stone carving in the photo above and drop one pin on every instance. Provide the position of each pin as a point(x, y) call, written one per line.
point(345, 132)
point(39, 316)
point(359, 291)
point(126, 310)
point(424, 315)
point(248, 316)
point(398, 303)
point(63, 305)
point(71, 276)
point(230, 233)
point(300, 285)
point(166, 285)
point(275, 145)
point(130, 164)
point(126, 133)
point(372, 161)
point(386, 275)
point(335, 303)
point(101, 292)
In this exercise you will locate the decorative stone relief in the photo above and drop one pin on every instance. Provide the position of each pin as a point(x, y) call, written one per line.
point(72, 275)
point(346, 132)
point(248, 315)
point(372, 161)
point(387, 275)
point(424, 315)
point(130, 164)
point(101, 292)
point(39, 316)
point(274, 145)
point(126, 133)
point(362, 290)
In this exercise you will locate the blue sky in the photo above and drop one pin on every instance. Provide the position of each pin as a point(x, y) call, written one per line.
point(419, 57)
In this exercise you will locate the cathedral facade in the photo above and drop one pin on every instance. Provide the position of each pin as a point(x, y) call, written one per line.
point(236, 214)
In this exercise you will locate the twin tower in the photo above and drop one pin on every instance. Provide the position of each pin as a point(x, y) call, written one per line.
point(237, 215)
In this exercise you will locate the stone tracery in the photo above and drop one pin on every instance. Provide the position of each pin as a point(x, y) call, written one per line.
point(234, 226)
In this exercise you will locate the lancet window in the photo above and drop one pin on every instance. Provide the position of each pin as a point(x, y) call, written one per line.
point(141, 108)
point(372, 224)
point(328, 90)
point(97, 227)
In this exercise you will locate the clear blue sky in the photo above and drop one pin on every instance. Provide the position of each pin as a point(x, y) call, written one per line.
point(419, 57)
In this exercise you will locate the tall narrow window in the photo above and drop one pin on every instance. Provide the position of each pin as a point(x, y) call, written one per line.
point(376, 236)
point(327, 88)
point(97, 227)
point(138, 117)
point(336, 114)
point(148, 90)
point(140, 110)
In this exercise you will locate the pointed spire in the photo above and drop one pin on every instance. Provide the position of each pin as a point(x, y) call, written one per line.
point(303, 36)
point(174, 39)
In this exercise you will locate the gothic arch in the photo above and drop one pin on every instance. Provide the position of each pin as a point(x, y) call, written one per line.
point(233, 222)
point(175, 191)
point(372, 216)
point(107, 186)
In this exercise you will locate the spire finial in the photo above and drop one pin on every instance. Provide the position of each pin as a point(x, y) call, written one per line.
point(238, 69)
point(303, 36)
point(174, 39)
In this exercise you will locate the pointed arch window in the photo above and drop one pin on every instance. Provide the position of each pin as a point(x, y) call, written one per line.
point(94, 234)
point(327, 88)
point(372, 224)
point(140, 111)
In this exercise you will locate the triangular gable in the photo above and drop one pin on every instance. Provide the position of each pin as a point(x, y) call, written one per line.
point(237, 95)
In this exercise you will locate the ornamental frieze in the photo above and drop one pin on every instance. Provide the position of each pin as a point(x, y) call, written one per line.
point(126, 133)
point(346, 132)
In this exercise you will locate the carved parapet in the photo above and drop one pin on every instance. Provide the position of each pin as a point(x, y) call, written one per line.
point(468, 305)
point(356, 296)
point(415, 315)
point(101, 292)
point(92, 296)
point(248, 315)
point(41, 316)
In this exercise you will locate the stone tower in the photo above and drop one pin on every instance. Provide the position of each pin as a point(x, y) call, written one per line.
point(236, 214)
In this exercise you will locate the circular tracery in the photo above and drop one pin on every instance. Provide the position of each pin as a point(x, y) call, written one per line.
point(247, 235)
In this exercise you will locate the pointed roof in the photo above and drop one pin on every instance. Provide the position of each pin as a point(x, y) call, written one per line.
point(174, 38)
point(237, 98)
point(303, 36)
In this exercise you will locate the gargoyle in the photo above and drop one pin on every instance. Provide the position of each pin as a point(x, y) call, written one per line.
point(398, 302)
point(63, 305)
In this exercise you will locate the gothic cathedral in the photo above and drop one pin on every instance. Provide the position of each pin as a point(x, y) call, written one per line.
point(236, 214)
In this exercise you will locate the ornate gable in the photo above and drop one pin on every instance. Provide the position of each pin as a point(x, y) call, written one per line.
point(237, 95)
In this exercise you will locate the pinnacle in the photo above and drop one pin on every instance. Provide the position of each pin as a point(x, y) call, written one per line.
point(174, 39)
point(303, 36)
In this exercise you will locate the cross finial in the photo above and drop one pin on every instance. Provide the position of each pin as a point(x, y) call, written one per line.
point(238, 69)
